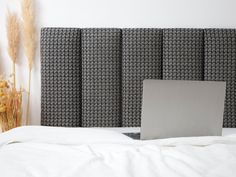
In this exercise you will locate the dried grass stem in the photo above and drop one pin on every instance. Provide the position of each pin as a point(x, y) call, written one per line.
point(29, 41)
point(13, 36)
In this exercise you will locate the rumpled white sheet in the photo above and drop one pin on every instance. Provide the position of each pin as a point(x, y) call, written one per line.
point(61, 152)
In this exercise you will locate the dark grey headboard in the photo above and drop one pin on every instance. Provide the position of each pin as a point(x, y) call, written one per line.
point(93, 77)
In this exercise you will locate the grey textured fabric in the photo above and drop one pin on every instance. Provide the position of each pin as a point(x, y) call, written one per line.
point(60, 77)
point(220, 65)
point(101, 77)
point(183, 54)
point(141, 59)
point(93, 77)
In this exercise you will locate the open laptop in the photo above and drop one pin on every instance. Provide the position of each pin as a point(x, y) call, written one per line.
point(182, 108)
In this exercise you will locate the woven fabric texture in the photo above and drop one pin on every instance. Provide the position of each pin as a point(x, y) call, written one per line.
point(220, 65)
point(183, 54)
point(93, 77)
point(101, 77)
point(60, 77)
point(141, 59)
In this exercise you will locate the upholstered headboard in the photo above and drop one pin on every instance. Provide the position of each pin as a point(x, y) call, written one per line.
point(93, 77)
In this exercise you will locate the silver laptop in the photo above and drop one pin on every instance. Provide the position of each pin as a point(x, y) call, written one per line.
point(182, 108)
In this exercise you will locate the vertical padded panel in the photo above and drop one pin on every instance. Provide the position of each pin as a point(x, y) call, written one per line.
point(141, 59)
point(183, 54)
point(220, 65)
point(101, 77)
point(60, 77)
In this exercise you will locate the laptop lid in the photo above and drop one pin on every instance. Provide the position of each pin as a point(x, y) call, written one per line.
point(182, 108)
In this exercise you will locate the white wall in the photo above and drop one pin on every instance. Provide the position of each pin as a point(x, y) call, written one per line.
point(112, 13)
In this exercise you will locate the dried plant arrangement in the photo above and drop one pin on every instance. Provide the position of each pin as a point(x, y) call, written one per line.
point(13, 37)
point(29, 42)
point(10, 106)
point(10, 97)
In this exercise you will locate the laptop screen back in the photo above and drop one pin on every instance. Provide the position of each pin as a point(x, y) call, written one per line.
point(182, 108)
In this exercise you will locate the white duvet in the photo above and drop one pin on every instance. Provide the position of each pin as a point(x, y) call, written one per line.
point(84, 152)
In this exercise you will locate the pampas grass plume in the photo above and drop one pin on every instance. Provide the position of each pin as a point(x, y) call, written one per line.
point(29, 37)
point(13, 36)
point(29, 41)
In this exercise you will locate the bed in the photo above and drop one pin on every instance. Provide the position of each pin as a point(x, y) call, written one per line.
point(92, 98)
point(69, 152)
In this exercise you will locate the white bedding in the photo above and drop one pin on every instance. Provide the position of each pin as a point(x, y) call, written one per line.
point(83, 152)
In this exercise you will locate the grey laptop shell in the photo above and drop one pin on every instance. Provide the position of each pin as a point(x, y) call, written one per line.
point(182, 108)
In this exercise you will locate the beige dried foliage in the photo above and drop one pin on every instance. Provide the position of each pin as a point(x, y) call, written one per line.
point(10, 106)
point(13, 35)
point(29, 31)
